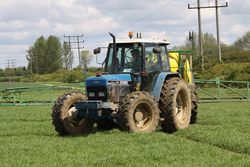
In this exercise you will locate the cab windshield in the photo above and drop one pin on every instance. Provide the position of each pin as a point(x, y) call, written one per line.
point(128, 58)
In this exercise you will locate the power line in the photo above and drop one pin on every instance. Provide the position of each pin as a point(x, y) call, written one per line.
point(216, 7)
point(170, 13)
point(170, 9)
point(154, 16)
point(154, 13)
point(136, 12)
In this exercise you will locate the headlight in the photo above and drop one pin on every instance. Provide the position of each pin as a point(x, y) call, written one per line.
point(101, 94)
point(91, 94)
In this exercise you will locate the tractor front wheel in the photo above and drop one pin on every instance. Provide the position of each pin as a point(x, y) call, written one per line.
point(138, 112)
point(65, 115)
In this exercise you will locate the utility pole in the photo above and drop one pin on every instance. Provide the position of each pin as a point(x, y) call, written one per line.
point(76, 41)
point(10, 63)
point(218, 26)
point(200, 32)
point(216, 6)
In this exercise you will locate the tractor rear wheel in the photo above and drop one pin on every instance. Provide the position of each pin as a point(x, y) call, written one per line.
point(138, 112)
point(64, 115)
point(194, 111)
point(175, 105)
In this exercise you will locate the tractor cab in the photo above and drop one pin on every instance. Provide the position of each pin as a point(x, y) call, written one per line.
point(142, 59)
point(136, 56)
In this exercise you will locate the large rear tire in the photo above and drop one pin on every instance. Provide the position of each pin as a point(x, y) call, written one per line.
point(64, 115)
point(194, 111)
point(138, 112)
point(175, 105)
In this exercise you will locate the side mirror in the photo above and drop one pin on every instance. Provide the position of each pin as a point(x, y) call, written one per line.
point(157, 50)
point(97, 50)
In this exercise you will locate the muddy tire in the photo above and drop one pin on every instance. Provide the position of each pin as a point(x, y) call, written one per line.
point(64, 115)
point(138, 112)
point(175, 105)
point(106, 125)
point(194, 111)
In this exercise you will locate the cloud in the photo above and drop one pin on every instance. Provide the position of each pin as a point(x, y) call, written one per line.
point(16, 52)
point(14, 35)
point(22, 22)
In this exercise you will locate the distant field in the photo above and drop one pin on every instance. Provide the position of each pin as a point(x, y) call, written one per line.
point(221, 138)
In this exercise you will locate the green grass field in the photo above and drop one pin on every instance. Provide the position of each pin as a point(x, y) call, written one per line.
point(220, 138)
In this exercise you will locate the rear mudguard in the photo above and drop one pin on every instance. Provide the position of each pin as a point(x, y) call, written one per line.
point(157, 86)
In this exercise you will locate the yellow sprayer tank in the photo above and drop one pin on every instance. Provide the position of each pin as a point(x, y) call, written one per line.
point(180, 63)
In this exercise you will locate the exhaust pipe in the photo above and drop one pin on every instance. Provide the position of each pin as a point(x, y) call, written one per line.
point(114, 53)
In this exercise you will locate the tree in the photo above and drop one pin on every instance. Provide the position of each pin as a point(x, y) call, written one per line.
point(36, 55)
point(53, 55)
point(209, 44)
point(67, 58)
point(243, 43)
point(30, 56)
point(2, 74)
point(209, 50)
point(86, 59)
point(45, 55)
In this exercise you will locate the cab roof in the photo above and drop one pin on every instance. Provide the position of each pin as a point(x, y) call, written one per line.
point(142, 40)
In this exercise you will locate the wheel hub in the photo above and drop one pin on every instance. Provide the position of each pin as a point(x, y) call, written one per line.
point(180, 109)
point(73, 117)
point(71, 111)
point(179, 112)
point(139, 116)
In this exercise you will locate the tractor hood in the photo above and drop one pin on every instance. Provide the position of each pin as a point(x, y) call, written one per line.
point(105, 79)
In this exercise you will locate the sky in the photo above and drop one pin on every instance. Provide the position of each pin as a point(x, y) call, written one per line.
point(23, 21)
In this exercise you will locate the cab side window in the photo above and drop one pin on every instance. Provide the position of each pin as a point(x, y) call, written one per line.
point(164, 59)
point(152, 60)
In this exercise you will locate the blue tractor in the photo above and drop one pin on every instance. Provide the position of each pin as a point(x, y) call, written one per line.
point(137, 92)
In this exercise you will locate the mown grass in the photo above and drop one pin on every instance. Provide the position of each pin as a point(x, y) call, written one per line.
point(220, 138)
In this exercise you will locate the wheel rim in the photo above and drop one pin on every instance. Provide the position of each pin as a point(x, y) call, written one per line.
point(181, 107)
point(142, 115)
point(73, 120)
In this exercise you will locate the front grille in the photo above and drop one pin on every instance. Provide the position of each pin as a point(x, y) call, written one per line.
point(117, 92)
point(96, 91)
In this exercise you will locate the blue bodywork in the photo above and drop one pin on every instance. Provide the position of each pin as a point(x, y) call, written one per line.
point(101, 110)
point(103, 80)
point(97, 109)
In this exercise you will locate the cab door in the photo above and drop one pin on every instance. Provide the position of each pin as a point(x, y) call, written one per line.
point(153, 66)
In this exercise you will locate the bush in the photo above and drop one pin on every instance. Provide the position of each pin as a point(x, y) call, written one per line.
point(231, 71)
point(62, 75)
